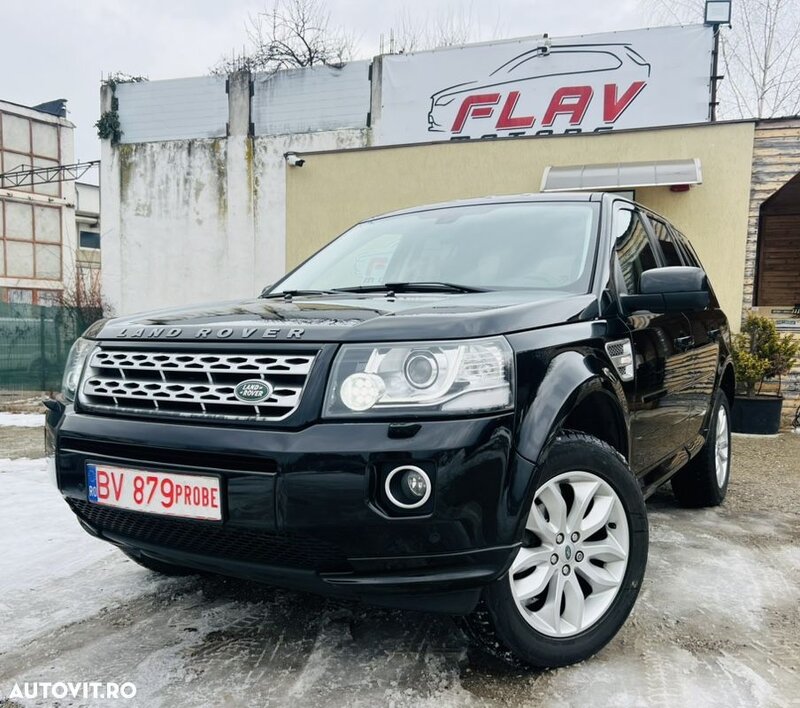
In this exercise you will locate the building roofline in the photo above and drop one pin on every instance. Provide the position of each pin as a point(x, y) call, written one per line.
point(483, 141)
point(40, 114)
point(777, 119)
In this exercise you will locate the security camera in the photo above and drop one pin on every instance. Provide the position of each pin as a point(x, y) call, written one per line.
point(545, 43)
point(294, 160)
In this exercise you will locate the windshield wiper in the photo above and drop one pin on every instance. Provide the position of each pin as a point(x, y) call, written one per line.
point(414, 287)
point(289, 294)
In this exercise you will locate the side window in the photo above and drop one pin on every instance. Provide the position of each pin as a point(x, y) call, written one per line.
point(634, 253)
point(669, 248)
point(688, 252)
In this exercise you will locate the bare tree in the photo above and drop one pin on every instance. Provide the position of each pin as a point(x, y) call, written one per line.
point(449, 27)
point(291, 33)
point(407, 35)
point(453, 27)
point(760, 54)
point(82, 299)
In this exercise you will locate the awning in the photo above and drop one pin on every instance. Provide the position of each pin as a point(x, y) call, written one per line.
point(621, 175)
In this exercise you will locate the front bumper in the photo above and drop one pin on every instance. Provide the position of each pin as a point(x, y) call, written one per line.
point(302, 509)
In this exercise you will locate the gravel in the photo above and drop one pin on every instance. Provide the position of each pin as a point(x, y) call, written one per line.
point(21, 442)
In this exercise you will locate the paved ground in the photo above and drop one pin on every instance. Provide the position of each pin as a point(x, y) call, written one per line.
point(717, 622)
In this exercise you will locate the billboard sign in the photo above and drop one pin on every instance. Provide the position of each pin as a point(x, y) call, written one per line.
point(592, 83)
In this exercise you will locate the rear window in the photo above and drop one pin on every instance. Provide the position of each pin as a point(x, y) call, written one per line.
point(669, 248)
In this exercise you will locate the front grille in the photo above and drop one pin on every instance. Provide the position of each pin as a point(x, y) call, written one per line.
point(217, 540)
point(195, 385)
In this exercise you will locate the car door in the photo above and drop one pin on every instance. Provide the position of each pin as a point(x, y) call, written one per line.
point(694, 346)
point(708, 326)
point(659, 409)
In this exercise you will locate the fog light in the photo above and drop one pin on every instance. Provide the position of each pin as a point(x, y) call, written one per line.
point(361, 391)
point(408, 487)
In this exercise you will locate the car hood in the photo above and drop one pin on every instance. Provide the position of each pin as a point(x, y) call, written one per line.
point(372, 317)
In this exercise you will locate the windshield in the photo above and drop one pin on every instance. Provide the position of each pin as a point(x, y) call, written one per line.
point(529, 245)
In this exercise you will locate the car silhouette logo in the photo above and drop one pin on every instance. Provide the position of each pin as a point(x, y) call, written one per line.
point(528, 89)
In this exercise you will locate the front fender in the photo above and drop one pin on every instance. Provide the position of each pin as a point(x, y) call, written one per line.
point(569, 378)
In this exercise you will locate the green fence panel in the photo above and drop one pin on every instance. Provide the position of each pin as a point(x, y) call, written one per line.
point(34, 344)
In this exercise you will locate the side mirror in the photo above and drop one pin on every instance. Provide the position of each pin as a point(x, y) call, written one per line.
point(670, 289)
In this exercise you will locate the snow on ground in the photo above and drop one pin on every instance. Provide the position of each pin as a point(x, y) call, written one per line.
point(715, 625)
point(21, 420)
point(44, 557)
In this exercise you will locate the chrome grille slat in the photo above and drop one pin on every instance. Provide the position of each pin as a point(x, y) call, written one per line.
point(192, 384)
point(298, 364)
point(158, 391)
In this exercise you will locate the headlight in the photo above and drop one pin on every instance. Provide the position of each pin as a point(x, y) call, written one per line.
point(72, 371)
point(473, 376)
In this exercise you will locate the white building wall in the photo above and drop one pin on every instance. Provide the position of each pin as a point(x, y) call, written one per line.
point(187, 221)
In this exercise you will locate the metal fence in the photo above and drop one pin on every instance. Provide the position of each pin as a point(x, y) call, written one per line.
point(34, 344)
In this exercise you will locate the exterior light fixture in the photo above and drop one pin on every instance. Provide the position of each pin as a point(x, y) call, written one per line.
point(718, 12)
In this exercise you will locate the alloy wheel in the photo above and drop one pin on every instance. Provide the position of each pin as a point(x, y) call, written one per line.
point(722, 447)
point(574, 556)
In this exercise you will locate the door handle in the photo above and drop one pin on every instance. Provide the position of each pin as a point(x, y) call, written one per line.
point(713, 334)
point(684, 343)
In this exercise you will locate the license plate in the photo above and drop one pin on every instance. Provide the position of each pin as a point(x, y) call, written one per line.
point(165, 493)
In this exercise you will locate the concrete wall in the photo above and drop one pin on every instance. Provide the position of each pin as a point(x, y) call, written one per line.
point(199, 219)
point(334, 190)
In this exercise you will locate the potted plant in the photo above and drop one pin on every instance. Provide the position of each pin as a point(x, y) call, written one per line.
point(760, 355)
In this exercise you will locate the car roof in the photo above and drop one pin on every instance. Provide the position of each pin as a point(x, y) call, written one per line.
point(500, 199)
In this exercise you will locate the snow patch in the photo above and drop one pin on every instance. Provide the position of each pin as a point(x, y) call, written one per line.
point(53, 572)
point(21, 420)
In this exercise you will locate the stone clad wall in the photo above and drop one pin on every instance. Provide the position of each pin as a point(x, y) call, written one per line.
point(776, 160)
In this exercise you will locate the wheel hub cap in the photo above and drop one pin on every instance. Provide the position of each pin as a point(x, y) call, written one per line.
point(565, 588)
point(722, 447)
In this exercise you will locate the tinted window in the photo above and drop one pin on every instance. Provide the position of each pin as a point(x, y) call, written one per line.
point(668, 247)
point(530, 245)
point(688, 252)
point(634, 253)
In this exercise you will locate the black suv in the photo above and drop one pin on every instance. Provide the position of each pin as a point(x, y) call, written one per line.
point(458, 408)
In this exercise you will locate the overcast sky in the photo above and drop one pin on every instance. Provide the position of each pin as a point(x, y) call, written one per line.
point(61, 48)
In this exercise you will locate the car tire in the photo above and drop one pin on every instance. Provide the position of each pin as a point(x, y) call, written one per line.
point(158, 566)
point(509, 624)
point(704, 480)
